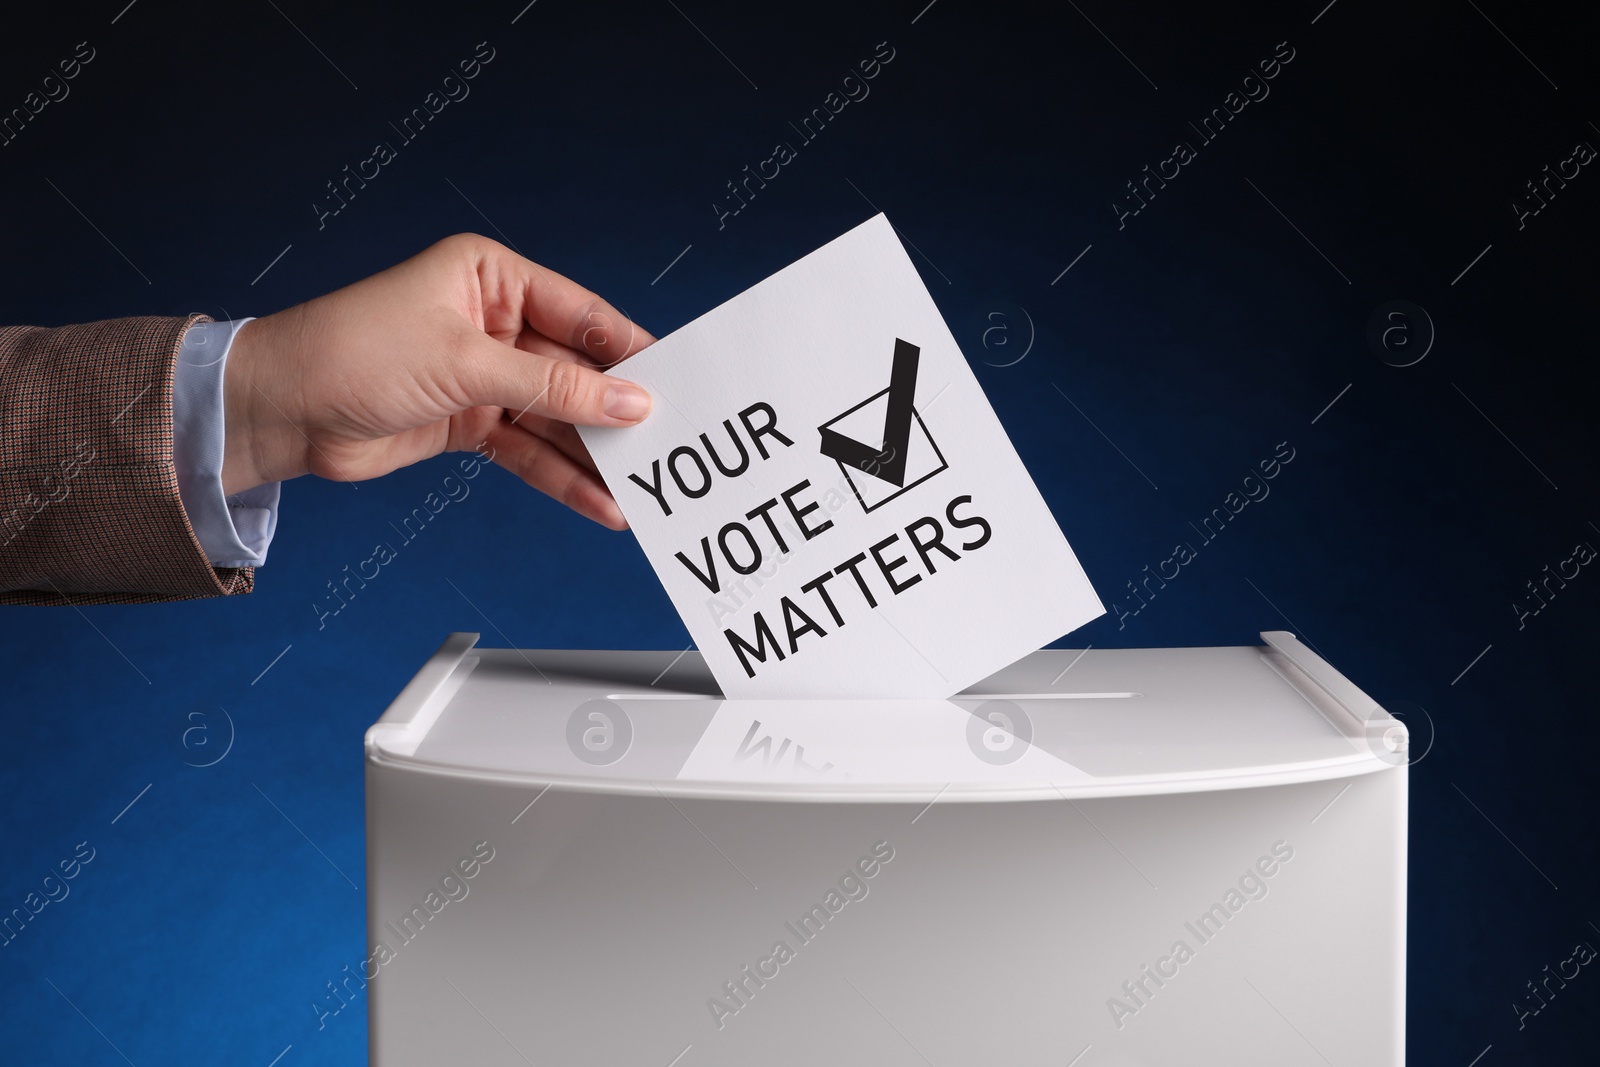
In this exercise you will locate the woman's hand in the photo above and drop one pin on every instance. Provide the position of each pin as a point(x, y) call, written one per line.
point(464, 346)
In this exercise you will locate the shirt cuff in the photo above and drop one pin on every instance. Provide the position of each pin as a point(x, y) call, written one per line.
point(233, 531)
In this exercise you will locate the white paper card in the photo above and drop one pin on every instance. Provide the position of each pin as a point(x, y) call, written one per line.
point(827, 496)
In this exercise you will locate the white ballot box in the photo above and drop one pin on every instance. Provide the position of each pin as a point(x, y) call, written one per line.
point(1124, 856)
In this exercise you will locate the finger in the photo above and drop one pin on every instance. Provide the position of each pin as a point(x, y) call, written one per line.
point(520, 290)
point(495, 373)
point(532, 341)
point(536, 343)
point(545, 467)
point(564, 436)
point(561, 434)
point(609, 337)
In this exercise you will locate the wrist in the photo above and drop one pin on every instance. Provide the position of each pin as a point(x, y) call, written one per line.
point(261, 442)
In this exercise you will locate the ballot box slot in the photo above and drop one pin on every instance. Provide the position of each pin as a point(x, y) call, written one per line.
point(958, 696)
point(1045, 696)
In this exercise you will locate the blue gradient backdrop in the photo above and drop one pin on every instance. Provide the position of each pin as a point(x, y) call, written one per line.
point(1198, 337)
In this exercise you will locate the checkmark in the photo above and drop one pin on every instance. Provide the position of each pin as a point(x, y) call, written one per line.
point(887, 462)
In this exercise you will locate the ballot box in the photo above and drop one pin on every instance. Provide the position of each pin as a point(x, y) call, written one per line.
point(1123, 856)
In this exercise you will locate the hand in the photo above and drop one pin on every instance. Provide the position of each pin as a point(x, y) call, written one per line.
point(464, 346)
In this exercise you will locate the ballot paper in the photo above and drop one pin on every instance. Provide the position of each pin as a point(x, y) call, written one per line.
point(827, 496)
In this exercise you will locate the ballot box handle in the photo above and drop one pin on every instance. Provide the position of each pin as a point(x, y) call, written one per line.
point(412, 713)
point(1341, 690)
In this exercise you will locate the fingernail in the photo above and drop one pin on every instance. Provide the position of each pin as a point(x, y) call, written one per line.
point(627, 402)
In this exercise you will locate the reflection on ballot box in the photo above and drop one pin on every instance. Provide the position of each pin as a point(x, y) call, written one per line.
point(1139, 856)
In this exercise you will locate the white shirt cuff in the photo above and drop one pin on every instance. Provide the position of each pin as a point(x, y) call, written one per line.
point(234, 531)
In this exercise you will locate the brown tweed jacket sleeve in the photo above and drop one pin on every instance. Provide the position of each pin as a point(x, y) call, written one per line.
point(89, 505)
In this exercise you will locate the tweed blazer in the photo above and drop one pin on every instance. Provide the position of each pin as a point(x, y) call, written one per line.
point(89, 504)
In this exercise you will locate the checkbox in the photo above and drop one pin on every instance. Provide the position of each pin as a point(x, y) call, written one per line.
point(907, 454)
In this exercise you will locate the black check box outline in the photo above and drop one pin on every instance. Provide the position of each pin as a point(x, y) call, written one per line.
point(943, 463)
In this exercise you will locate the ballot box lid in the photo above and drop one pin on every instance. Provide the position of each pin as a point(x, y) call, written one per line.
point(1059, 723)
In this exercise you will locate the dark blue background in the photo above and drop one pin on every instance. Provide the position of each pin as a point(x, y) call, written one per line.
point(1197, 338)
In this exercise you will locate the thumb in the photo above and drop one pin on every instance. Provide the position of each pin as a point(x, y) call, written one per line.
point(562, 389)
